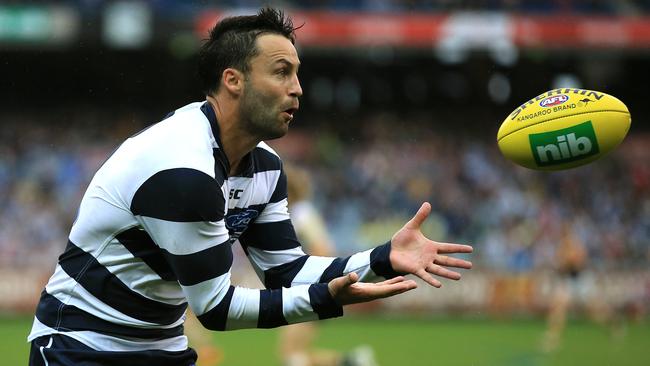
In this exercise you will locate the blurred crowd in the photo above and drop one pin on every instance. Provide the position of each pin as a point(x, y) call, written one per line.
point(174, 7)
point(526, 6)
point(44, 170)
point(367, 183)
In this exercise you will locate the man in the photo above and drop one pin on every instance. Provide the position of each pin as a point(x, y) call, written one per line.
point(155, 226)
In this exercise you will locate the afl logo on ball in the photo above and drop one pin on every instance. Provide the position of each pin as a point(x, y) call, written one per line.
point(554, 100)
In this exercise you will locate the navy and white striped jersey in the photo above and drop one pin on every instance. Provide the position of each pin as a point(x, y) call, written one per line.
point(154, 233)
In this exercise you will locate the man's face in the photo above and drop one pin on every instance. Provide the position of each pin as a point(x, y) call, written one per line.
point(271, 90)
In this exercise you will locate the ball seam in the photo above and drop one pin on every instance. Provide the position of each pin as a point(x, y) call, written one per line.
point(554, 118)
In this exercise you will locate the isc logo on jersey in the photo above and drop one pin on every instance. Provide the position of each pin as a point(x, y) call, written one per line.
point(565, 145)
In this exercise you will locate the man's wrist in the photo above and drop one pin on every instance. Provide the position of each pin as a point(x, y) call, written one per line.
point(323, 302)
point(380, 262)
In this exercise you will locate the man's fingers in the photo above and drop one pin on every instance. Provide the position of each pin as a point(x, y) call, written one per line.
point(347, 290)
point(426, 277)
point(387, 290)
point(454, 248)
point(361, 292)
point(452, 262)
point(391, 281)
point(443, 272)
point(419, 217)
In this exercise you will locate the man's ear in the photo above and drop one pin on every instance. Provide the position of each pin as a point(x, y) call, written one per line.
point(233, 80)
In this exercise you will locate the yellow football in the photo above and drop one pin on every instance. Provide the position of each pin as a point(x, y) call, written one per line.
point(563, 128)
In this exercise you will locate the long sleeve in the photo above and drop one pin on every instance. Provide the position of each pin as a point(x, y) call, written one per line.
point(277, 256)
point(183, 212)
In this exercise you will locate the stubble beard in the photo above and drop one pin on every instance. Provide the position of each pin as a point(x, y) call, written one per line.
point(258, 116)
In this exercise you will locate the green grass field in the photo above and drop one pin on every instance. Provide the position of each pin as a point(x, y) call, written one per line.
point(420, 341)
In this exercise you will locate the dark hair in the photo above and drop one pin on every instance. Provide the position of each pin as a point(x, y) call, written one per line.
point(232, 44)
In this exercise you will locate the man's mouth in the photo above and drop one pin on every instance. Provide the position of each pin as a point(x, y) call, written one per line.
point(291, 111)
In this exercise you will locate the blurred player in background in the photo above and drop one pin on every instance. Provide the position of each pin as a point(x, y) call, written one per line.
point(296, 341)
point(571, 259)
point(155, 227)
point(574, 285)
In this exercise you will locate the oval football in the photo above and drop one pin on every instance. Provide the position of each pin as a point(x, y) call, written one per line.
point(563, 128)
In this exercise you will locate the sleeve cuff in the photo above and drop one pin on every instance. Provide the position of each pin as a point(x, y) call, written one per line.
point(323, 303)
point(380, 262)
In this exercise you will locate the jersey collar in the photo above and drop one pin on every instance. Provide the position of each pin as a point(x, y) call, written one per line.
point(219, 154)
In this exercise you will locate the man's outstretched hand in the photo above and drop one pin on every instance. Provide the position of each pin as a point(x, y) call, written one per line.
point(346, 290)
point(411, 252)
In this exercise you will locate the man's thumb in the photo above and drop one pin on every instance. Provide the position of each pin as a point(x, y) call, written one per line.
point(351, 278)
point(420, 216)
point(341, 282)
point(348, 279)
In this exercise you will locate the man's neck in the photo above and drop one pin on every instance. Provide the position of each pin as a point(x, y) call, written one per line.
point(235, 142)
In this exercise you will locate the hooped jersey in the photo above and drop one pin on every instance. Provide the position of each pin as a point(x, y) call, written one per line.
point(154, 233)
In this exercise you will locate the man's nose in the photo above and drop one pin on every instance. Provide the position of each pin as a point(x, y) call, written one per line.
point(296, 89)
